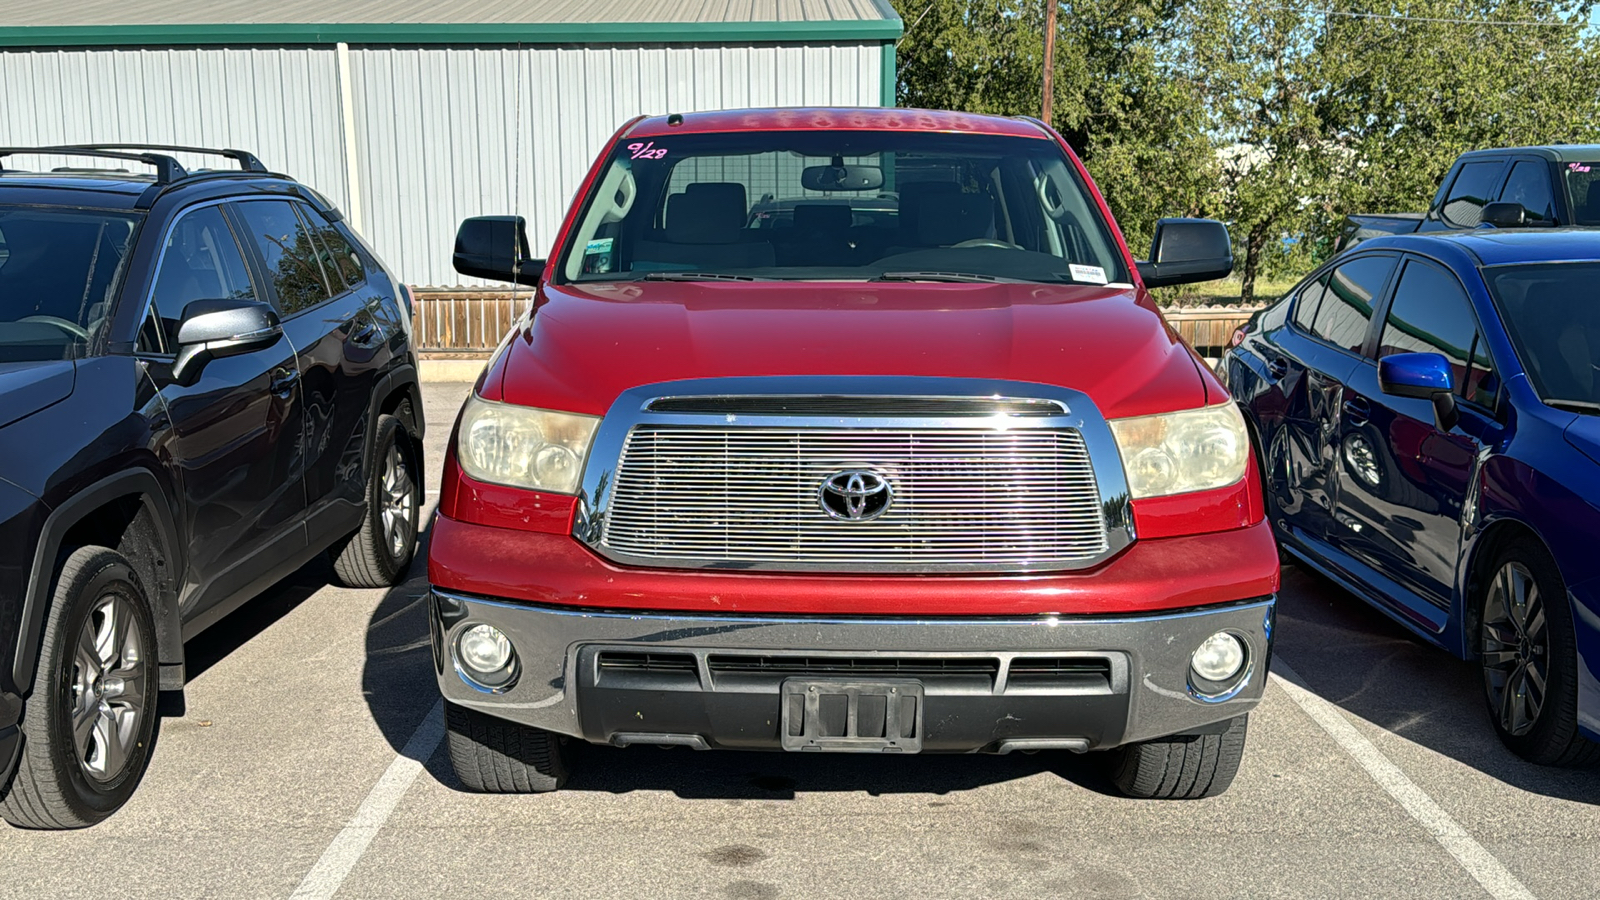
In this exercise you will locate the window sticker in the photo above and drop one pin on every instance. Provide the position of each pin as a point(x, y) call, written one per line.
point(647, 150)
point(597, 256)
point(1090, 274)
point(1578, 167)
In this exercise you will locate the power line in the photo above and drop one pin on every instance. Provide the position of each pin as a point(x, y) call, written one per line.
point(1430, 19)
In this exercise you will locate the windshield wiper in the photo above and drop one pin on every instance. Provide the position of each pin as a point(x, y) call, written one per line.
point(695, 276)
point(944, 276)
point(1587, 407)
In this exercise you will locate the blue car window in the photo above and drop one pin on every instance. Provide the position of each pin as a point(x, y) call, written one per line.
point(1346, 309)
point(1553, 317)
point(1305, 306)
point(1431, 314)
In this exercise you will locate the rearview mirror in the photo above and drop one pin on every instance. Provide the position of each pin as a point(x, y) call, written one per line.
point(496, 247)
point(1509, 214)
point(224, 327)
point(841, 178)
point(1185, 251)
point(1425, 376)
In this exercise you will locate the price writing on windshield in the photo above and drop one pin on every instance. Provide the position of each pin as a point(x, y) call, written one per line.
point(646, 151)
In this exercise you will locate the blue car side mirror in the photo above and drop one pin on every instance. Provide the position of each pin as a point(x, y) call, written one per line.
point(1425, 376)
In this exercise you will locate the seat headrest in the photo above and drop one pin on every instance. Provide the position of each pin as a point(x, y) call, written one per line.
point(812, 218)
point(948, 218)
point(706, 213)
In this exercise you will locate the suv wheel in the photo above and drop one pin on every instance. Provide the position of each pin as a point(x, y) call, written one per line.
point(1185, 767)
point(91, 719)
point(1528, 653)
point(380, 553)
point(494, 756)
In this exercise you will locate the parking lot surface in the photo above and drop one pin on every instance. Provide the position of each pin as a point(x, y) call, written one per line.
point(308, 762)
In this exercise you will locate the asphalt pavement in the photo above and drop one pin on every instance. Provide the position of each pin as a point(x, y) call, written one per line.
point(308, 763)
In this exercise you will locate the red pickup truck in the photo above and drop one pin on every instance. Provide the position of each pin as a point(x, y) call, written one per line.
point(915, 466)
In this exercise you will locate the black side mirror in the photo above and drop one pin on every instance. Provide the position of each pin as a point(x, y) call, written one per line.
point(226, 327)
point(1509, 214)
point(1184, 251)
point(496, 247)
point(1425, 376)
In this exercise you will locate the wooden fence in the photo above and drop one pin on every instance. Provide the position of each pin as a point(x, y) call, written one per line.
point(471, 323)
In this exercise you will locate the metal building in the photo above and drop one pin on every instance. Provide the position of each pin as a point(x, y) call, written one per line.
point(412, 115)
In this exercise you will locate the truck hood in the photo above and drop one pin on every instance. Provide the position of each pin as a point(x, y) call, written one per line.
point(27, 387)
point(586, 344)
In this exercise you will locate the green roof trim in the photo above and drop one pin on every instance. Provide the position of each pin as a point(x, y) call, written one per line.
point(239, 34)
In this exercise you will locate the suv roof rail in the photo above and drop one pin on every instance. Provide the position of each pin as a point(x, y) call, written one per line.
point(247, 161)
point(167, 169)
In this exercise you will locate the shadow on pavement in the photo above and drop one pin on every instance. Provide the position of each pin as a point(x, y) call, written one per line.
point(1354, 656)
point(242, 625)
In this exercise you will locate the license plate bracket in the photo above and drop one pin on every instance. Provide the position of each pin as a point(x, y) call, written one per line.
point(837, 716)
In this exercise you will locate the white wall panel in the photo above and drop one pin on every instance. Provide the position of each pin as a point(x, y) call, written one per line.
point(280, 103)
point(436, 128)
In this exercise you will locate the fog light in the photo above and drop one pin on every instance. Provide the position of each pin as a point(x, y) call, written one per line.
point(484, 649)
point(1218, 657)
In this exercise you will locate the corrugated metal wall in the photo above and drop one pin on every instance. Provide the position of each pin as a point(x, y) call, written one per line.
point(433, 126)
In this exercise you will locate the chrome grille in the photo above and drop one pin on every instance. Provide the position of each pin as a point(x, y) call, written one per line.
point(968, 499)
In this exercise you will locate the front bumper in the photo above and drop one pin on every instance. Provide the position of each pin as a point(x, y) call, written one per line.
point(709, 680)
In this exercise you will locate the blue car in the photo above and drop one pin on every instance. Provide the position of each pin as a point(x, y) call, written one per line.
point(1426, 409)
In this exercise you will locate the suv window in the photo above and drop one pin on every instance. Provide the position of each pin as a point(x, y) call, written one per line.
point(290, 253)
point(340, 261)
point(1529, 184)
point(201, 261)
point(1346, 308)
point(1472, 189)
point(1431, 314)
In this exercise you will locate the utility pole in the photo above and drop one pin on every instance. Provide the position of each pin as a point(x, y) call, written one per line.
point(1049, 60)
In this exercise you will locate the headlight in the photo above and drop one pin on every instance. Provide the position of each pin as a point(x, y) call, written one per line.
point(524, 447)
point(1192, 450)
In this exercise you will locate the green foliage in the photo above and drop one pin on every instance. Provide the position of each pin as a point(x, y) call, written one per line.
point(1279, 118)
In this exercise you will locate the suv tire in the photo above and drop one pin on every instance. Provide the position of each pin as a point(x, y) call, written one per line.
point(98, 667)
point(379, 554)
point(1539, 725)
point(494, 756)
point(1184, 767)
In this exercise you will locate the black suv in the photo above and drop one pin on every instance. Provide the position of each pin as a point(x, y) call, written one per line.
point(206, 379)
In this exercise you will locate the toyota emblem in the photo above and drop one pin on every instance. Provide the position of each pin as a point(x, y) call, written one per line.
point(855, 495)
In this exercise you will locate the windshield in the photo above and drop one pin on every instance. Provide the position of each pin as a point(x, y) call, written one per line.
point(1583, 189)
point(59, 269)
point(851, 206)
point(1552, 312)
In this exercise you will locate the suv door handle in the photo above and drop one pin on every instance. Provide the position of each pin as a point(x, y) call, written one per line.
point(1357, 411)
point(1277, 367)
point(367, 335)
point(283, 382)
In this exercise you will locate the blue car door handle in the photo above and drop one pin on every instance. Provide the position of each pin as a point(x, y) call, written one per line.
point(1277, 367)
point(1356, 411)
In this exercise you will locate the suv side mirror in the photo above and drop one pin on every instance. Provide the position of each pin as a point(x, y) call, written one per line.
point(225, 327)
point(1184, 251)
point(496, 247)
point(1509, 214)
point(1425, 376)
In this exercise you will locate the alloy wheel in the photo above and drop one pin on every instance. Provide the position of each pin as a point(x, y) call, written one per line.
point(1515, 648)
point(107, 691)
point(399, 490)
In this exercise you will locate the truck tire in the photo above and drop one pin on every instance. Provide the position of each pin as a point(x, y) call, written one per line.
point(1186, 767)
point(379, 554)
point(494, 756)
point(1537, 722)
point(90, 722)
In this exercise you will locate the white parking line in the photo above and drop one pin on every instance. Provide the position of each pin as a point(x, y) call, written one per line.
point(324, 879)
point(1478, 861)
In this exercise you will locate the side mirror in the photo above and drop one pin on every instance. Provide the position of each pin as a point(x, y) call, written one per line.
point(1184, 251)
point(496, 247)
point(227, 327)
point(1425, 376)
point(1506, 214)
